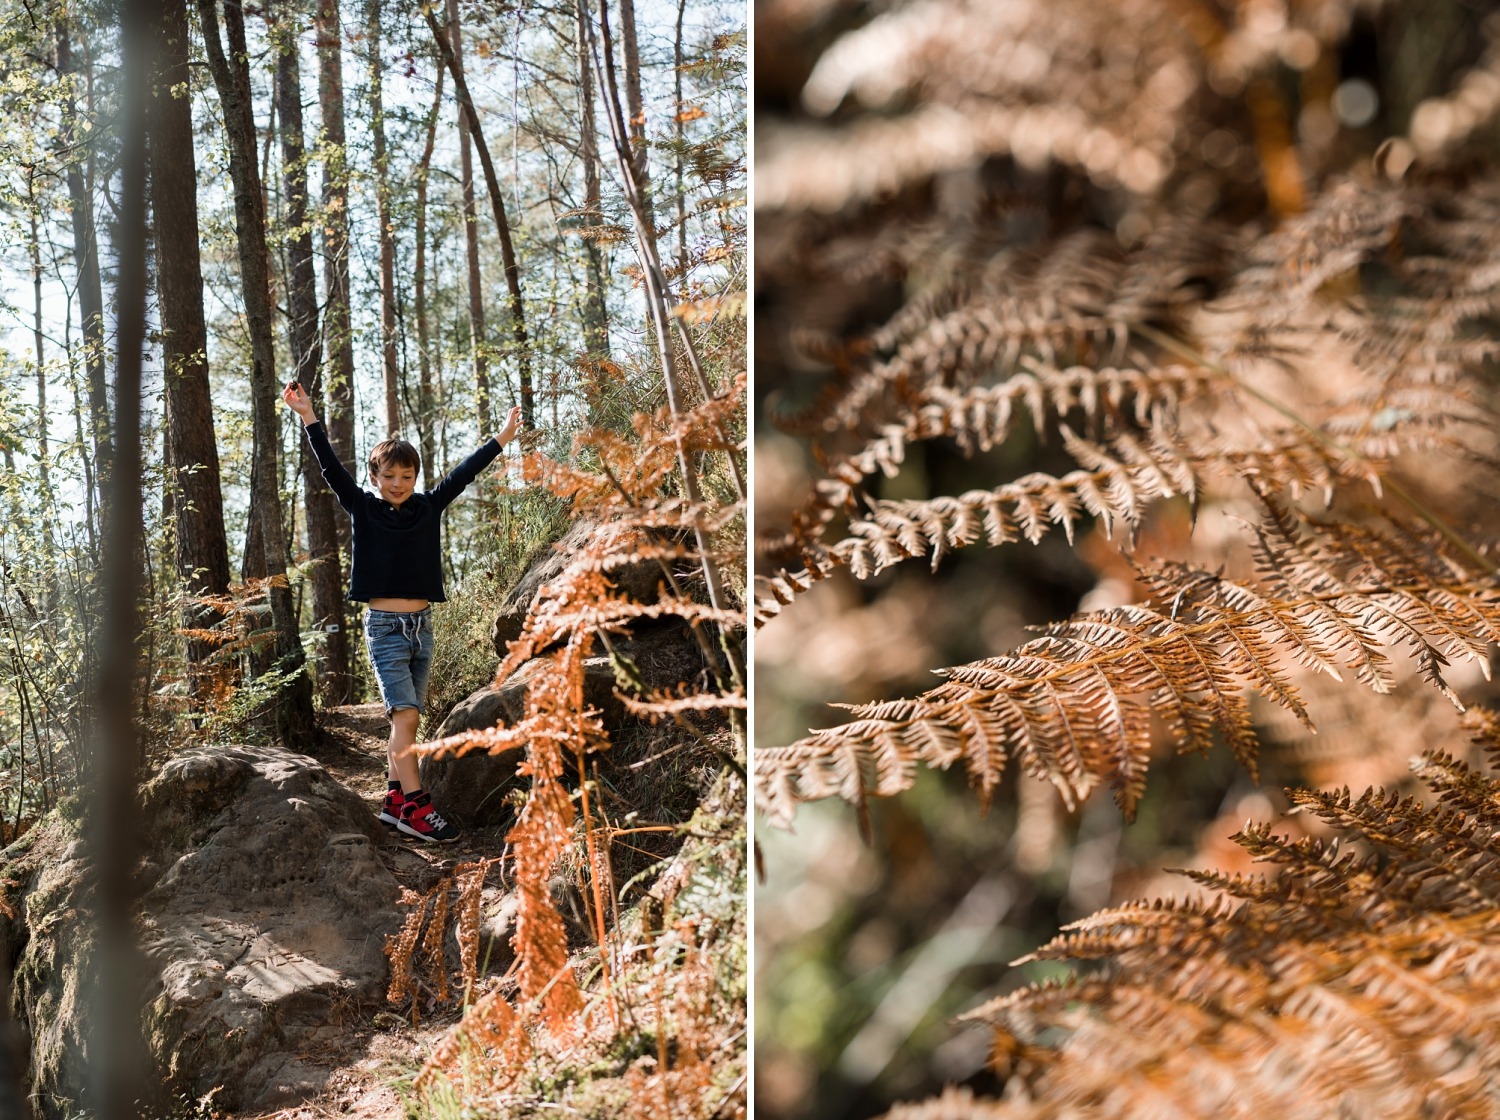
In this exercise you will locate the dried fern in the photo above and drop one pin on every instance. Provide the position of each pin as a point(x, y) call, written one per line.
point(424, 932)
point(1077, 705)
point(1354, 979)
point(626, 487)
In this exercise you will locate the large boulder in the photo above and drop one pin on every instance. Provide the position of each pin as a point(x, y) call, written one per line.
point(263, 921)
point(470, 789)
point(639, 581)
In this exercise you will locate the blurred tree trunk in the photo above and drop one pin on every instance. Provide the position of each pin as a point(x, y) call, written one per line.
point(502, 226)
point(307, 355)
point(419, 282)
point(595, 310)
point(201, 551)
point(293, 705)
point(86, 257)
point(387, 233)
point(117, 1056)
point(337, 336)
point(454, 54)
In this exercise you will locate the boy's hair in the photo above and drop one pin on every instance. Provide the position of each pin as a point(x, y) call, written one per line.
point(394, 452)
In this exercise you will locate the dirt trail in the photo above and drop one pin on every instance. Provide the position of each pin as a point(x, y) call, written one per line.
point(380, 1046)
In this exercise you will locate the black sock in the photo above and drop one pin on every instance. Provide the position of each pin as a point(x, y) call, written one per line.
point(392, 786)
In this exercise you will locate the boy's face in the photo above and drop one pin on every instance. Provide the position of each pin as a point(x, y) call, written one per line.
point(395, 483)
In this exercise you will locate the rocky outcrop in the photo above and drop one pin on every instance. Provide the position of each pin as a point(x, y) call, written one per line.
point(263, 920)
point(640, 581)
point(471, 789)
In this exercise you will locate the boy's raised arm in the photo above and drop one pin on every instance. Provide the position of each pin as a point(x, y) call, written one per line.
point(466, 472)
point(339, 480)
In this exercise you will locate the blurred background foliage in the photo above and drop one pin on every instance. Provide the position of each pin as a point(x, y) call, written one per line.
point(866, 951)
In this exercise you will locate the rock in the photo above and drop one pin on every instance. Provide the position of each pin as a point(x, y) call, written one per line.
point(263, 921)
point(470, 790)
point(497, 925)
point(639, 581)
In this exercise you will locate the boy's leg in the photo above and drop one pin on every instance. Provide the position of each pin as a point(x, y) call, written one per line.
point(401, 763)
point(400, 651)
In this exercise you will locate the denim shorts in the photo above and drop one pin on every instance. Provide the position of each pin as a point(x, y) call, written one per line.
point(400, 648)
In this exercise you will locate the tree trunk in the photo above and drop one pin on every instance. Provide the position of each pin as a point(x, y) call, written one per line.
point(293, 705)
point(307, 354)
point(630, 47)
point(419, 281)
point(387, 233)
point(201, 552)
point(117, 1057)
point(502, 224)
point(86, 256)
point(453, 53)
point(595, 310)
point(338, 340)
point(677, 67)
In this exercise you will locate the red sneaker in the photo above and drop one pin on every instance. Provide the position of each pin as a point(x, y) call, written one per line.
point(420, 819)
point(390, 811)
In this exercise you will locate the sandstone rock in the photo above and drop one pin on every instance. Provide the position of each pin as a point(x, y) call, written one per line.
point(263, 920)
point(471, 789)
point(640, 581)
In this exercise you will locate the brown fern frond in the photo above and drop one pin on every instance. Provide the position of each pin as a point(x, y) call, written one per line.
point(657, 705)
point(1046, 309)
point(401, 946)
point(979, 418)
point(432, 941)
point(543, 832)
point(954, 1104)
point(1117, 484)
point(1343, 984)
point(492, 1035)
point(1075, 705)
point(636, 472)
point(1002, 97)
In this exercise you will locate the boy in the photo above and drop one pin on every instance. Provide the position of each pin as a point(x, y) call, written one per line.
point(396, 569)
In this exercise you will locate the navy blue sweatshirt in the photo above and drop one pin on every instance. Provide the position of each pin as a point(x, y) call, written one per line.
point(397, 550)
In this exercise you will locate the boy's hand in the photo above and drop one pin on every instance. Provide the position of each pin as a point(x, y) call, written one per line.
point(512, 425)
point(298, 401)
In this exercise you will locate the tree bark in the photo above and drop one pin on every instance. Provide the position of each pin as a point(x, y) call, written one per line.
point(116, 1052)
point(387, 232)
point(338, 340)
point(329, 615)
point(419, 282)
point(86, 256)
point(631, 49)
point(38, 343)
point(293, 705)
point(502, 225)
point(453, 53)
point(595, 310)
point(201, 551)
point(677, 68)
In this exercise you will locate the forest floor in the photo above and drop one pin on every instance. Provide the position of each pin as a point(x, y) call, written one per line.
point(384, 1047)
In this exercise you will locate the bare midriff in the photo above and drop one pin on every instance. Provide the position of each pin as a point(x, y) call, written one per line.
point(402, 605)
